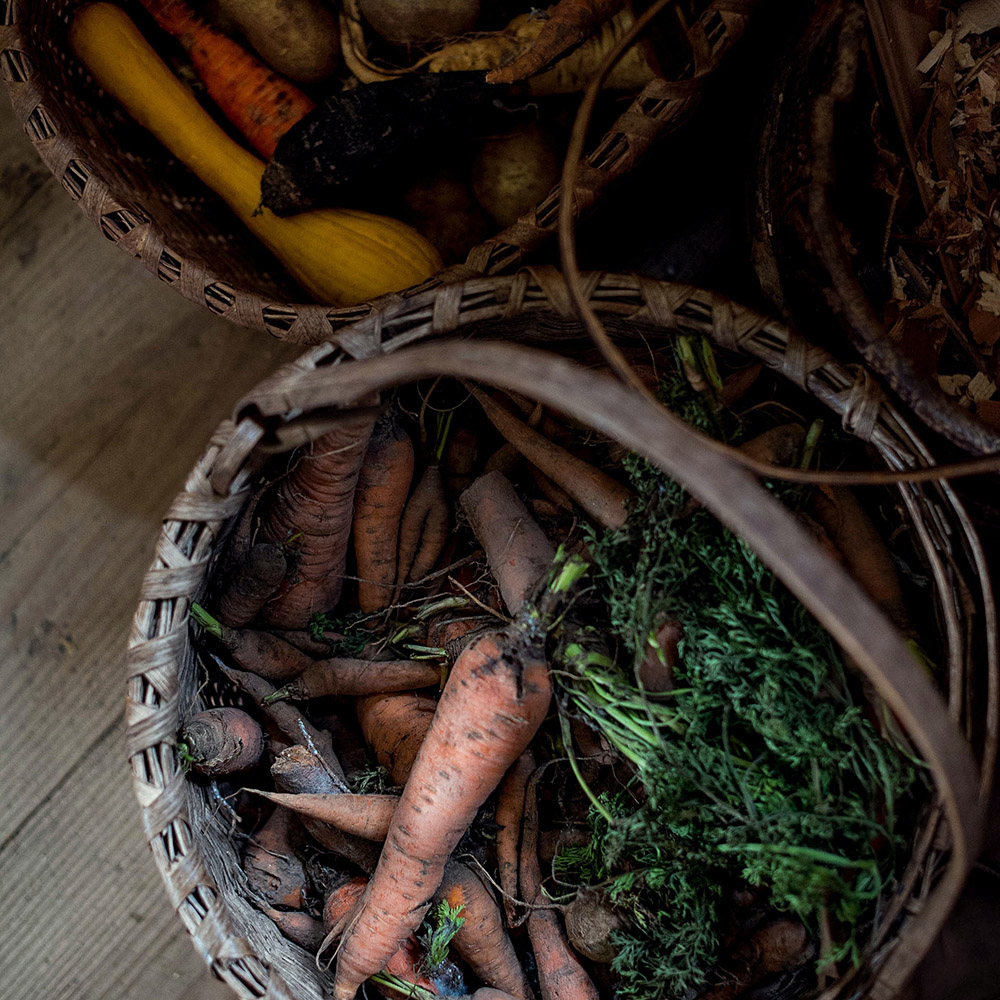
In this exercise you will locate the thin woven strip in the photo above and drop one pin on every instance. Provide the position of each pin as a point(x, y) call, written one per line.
point(187, 830)
point(153, 208)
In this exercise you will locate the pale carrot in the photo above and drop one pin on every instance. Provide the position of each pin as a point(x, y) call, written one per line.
point(365, 816)
point(394, 726)
point(339, 677)
point(424, 528)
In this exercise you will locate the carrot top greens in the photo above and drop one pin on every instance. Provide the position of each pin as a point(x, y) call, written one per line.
point(760, 767)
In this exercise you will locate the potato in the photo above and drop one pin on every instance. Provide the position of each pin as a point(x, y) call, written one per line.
point(298, 38)
point(419, 22)
point(513, 173)
point(443, 211)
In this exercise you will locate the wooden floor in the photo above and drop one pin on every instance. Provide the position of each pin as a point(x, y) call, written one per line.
point(110, 385)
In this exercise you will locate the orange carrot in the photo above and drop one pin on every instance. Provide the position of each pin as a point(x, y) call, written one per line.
point(271, 866)
point(298, 926)
point(249, 587)
point(495, 699)
point(262, 653)
point(482, 940)
point(222, 740)
point(350, 678)
point(603, 498)
point(509, 813)
point(310, 513)
point(560, 975)
point(568, 24)
point(517, 550)
point(394, 726)
point(259, 102)
point(383, 486)
point(424, 528)
point(365, 816)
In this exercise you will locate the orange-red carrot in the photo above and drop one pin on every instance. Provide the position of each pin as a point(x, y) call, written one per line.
point(310, 514)
point(394, 726)
point(495, 699)
point(568, 24)
point(383, 486)
point(262, 653)
point(509, 813)
point(560, 975)
point(259, 102)
point(603, 498)
point(298, 926)
point(482, 940)
point(271, 866)
point(249, 587)
point(365, 816)
point(350, 678)
point(222, 741)
point(424, 528)
point(518, 553)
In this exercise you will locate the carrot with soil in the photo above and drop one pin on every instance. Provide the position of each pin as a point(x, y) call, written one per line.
point(251, 584)
point(259, 102)
point(310, 514)
point(383, 485)
point(603, 498)
point(394, 726)
point(509, 814)
point(221, 741)
point(271, 865)
point(365, 816)
point(339, 677)
point(494, 701)
point(262, 653)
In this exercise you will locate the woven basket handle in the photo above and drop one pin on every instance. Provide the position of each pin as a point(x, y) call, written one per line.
point(736, 499)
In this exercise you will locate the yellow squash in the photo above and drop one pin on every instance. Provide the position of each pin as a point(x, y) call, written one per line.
point(341, 257)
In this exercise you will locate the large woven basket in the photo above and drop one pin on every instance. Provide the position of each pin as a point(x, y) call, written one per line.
point(154, 209)
point(191, 842)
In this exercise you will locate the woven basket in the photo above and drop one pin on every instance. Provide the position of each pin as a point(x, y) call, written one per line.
point(191, 842)
point(154, 209)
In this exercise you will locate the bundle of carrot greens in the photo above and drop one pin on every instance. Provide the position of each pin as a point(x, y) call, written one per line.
point(519, 716)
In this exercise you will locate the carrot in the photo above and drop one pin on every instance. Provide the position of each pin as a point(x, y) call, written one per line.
point(560, 975)
point(591, 919)
point(777, 445)
point(253, 582)
point(509, 812)
point(482, 941)
point(310, 513)
point(287, 718)
point(341, 902)
point(505, 459)
point(459, 461)
point(262, 653)
point(424, 528)
point(221, 741)
point(568, 24)
point(365, 816)
point(555, 495)
point(298, 926)
point(259, 102)
point(298, 771)
point(271, 865)
point(394, 726)
point(656, 669)
point(597, 493)
point(348, 677)
point(495, 699)
point(383, 485)
point(737, 385)
point(518, 553)
point(307, 641)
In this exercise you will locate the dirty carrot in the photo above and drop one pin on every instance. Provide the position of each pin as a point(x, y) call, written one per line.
point(221, 741)
point(603, 498)
point(310, 514)
point(365, 816)
point(424, 528)
point(252, 583)
point(350, 678)
point(482, 940)
point(262, 653)
point(383, 486)
point(459, 461)
point(298, 926)
point(271, 865)
point(394, 726)
point(518, 553)
point(560, 975)
point(259, 102)
point(509, 813)
point(495, 699)
point(568, 23)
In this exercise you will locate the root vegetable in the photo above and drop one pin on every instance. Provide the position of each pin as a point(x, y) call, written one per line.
point(383, 486)
point(442, 209)
point(310, 513)
point(514, 172)
point(509, 814)
point(656, 670)
point(271, 865)
point(366, 816)
point(518, 553)
point(418, 22)
point(590, 922)
point(222, 741)
point(298, 926)
point(250, 586)
point(350, 678)
point(424, 528)
point(495, 699)
point(394, 726)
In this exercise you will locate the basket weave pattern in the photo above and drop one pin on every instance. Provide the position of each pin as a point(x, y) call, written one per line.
point(154, 209)
point(189, 831)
